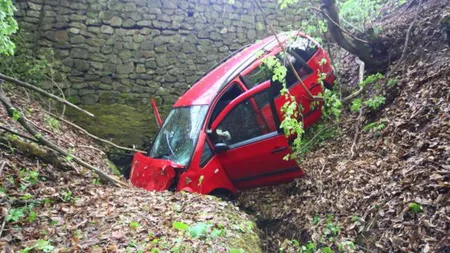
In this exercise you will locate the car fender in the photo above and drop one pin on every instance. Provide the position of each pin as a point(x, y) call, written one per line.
point(205, 180)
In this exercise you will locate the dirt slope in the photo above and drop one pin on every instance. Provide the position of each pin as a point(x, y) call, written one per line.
point(367, 198)
point(50, 207)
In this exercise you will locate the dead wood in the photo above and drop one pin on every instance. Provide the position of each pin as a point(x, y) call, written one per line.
point(43, 92)
point(31, 149)
point(93, 136)
point(408, 32)
point(361, 78)
point(43, 141)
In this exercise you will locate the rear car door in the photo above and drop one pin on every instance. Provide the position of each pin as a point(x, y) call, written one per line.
point(255, 149)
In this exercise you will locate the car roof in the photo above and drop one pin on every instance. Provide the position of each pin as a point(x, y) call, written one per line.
point(209, 85)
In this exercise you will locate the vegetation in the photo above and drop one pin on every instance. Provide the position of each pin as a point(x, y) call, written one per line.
point(8, 26)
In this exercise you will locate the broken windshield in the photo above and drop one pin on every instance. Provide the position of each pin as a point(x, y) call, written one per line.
point(177, 138)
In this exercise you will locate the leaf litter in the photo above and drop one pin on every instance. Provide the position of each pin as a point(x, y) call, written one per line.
point(69, 210)
point(393, 196)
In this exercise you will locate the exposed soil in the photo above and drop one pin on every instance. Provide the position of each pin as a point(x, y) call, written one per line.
point(369, 195)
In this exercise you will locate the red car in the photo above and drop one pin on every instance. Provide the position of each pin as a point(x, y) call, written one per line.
point(223, 133)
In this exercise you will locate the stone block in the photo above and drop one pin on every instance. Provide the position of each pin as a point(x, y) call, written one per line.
point(107, 29)
point(116, 21)
point(125, 68)
point(81, 65)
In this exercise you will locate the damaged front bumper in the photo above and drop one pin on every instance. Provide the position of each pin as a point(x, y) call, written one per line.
point(153, 174)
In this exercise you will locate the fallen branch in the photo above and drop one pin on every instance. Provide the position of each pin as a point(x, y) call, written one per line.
point(10, 109)
point(43, 92)
point(93, 136)
point(4, 221)
point(408, 32)
point(361, 78)
point(1, 167)
point(18, 134)
point(352, 152)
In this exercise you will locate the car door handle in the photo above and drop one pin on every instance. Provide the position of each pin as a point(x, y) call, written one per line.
point(278, 150)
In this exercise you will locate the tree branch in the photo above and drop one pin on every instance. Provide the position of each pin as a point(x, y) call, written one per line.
point(43, 92)
point(10, 109)
point(93, 136)
point(19, 134)
point(274, 33)
point(353, 45)
point(408, 32)
point(360, 79)
point(338, 25)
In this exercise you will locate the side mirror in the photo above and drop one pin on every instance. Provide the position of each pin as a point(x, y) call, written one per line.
point(220, 147)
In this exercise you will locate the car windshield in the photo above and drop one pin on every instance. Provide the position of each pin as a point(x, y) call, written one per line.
point(177, 138)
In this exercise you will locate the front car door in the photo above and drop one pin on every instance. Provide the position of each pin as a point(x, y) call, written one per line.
point(249, 129)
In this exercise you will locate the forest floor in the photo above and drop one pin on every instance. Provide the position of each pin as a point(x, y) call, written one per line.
point(51, 204)
point(393, 193)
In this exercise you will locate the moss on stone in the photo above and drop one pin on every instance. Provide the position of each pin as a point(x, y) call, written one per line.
point(247, 237)
point(123, 124)
point(113, 168)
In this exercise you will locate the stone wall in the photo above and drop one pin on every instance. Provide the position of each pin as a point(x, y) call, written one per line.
point(126, 51)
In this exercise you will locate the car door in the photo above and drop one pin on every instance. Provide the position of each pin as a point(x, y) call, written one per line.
point(248, 142)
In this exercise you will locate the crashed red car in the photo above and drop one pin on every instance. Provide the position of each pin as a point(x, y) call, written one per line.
point(223, 133)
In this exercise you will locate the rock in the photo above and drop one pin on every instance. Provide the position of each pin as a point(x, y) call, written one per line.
point(97, 65)
point(140, 68)
point(77, 39)
point(260, 26)
point(116, 21)
point(107, 29)
point(125, 68)
point(79, 53)
point(89, 99)
point(81, 65)
point(161, 49)
point(57, 36)
point(147, 45)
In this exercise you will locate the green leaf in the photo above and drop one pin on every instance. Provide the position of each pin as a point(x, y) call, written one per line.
point(356, 105)
point(134, 225)
point(236, 251)
point(32, 216)
point(198, 230)
point(44, 245)
point(316, 219)
point(15, 214)
point(415, 208)
point(181, 226)
point(327, 250)
point(200, 180)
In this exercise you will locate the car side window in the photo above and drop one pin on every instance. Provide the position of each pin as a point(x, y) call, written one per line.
point(206, 154)
point(249, 119)
point(232, 92)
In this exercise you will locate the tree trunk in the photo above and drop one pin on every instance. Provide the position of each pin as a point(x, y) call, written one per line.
point(352, 45)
